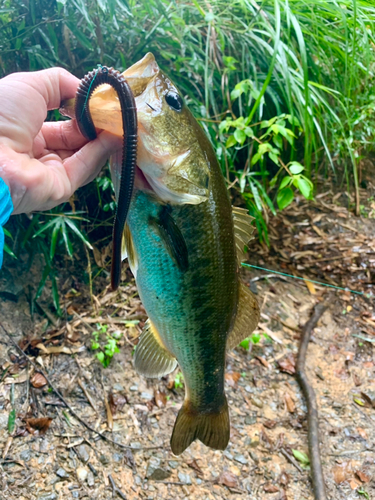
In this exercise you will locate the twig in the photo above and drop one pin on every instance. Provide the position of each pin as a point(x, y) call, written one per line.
point(312, 407)
point(115, 489)
point(88, 397)
point(291, 459)
point(73, 412)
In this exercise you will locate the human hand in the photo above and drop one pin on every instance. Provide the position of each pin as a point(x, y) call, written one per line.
point(43, 163)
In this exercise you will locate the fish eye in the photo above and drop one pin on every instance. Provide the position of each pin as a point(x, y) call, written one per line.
point(174, 101)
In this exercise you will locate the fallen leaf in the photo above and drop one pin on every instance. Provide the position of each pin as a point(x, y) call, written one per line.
point(270, 488)
point(38, 424)
point(232, 378)
point(227, 479)
point(116, 402)
point(288, 364)
point(310, 285)
point(342, 472)
point(38, 380)
point(284, 479)
point(362, 432)
point(270, 424)
point(193, 464)
point(60, 349)
point(362, 476)
point(354, 484)
point(160, 398)
point(289, 403)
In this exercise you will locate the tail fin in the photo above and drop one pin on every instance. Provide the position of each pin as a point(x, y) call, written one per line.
point(212, 429)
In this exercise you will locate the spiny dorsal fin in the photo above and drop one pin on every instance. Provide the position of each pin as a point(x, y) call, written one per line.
point(247, 317)
point(243, 230)
point(151, 358)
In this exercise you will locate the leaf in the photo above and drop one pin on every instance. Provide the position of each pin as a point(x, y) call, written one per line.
point(232, 378)
point(12, 421)
point(39, 424)
point(227, 479)
point(231, 141)
point(83, 40)
point(80, 235)
point(160, 398)
point(295, 167)
point(285, 181)
point(305, 186)
point(194, 465)
point(284, 197)
point(240, 136)
point(287, 364)
point(38, 380)
point(301, 457)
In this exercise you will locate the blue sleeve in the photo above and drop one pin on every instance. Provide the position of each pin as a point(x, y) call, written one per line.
point(6, 208)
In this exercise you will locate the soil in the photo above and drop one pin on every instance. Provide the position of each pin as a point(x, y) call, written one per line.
point(267, 457)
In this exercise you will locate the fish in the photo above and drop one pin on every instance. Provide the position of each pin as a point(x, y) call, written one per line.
point(184, 243)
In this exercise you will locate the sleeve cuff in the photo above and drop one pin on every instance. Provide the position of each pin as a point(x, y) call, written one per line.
point(6, 208)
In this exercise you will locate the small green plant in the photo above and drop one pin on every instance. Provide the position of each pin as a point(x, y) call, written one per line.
point(179, 380)
point(302, 458)
point(254, 339)
point(363, 492)
point(108, 348)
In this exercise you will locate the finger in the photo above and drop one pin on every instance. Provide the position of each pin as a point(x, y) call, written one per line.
point(53, 85)
point(84, 166)
point(62, 135)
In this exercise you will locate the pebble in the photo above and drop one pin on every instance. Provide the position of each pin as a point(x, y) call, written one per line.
point(25, 455)
point(254, 456)
point(117, 457)
point(90, 479)
point(228, 454)
point(159, 474)
point(249, 389)
point(134, 388)
point(104, 459)
point(241, 459)
point(118, 387)
point(255, 442)
point(147, 395)
point(257, 402)
point(75, 494)
point(83, 453)
point(184, 478)
point(62, 473)
point(250, 419)
point(153, 464)
point(174, 464)
point(137, 480)
point(49, 496)
point(82, 474)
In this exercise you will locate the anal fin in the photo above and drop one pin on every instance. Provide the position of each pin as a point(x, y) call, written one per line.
point(247, 317)
point(151, 358)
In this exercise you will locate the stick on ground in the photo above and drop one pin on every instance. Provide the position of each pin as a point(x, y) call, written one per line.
point(312, 407)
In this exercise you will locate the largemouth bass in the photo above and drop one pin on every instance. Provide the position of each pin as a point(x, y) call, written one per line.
point(184, 243)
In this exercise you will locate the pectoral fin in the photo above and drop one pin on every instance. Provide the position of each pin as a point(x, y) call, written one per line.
point(172, 237)
point(247, 317)
point(151, 358)
point(243, 230)
point(128, 250)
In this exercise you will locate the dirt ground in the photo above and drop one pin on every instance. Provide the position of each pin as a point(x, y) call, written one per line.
point(64, 460)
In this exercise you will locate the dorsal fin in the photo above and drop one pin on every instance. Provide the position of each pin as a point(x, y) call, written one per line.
point(243, 230)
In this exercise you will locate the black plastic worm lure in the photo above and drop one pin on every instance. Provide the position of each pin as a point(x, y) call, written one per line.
point(129, 151)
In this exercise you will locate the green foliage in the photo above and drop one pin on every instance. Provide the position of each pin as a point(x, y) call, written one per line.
point(254, 338)
point(278, 86)
point(179, 381)
point(301, 457)
point(108, 347)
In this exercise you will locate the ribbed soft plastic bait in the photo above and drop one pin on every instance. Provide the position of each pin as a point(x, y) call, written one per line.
point(129, 151)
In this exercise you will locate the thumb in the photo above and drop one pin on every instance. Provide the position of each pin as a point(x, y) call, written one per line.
point(85, 164)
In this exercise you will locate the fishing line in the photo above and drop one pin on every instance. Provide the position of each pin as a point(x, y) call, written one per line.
point(311, 281)
point(88, 92)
